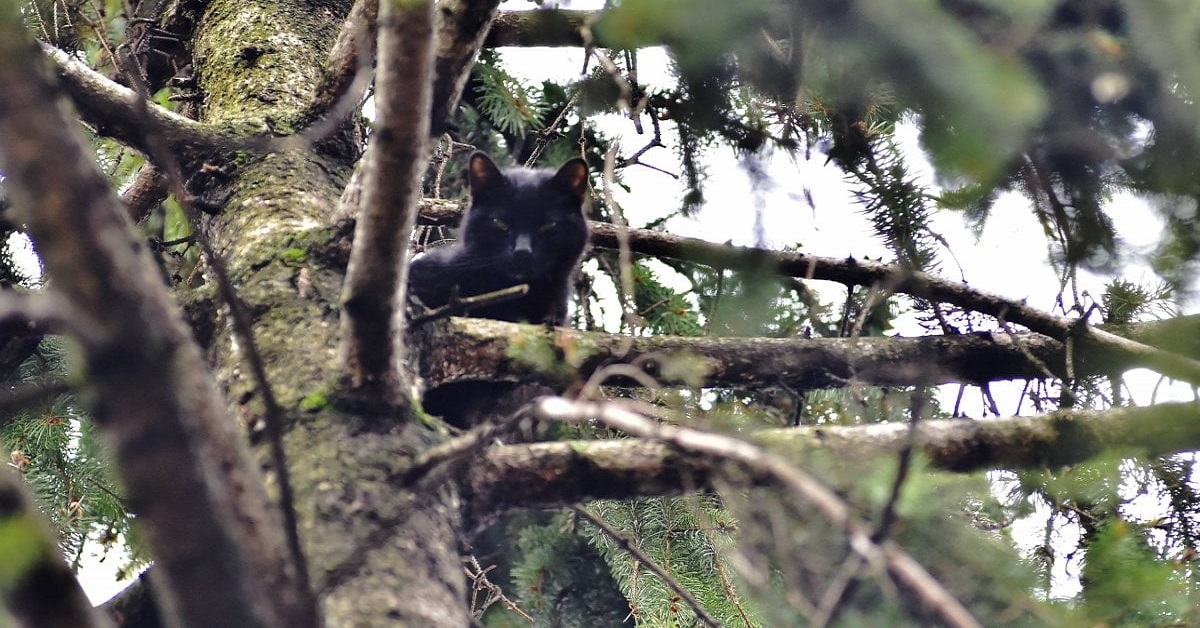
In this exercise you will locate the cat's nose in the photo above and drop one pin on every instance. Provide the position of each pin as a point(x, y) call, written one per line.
point(523, 248)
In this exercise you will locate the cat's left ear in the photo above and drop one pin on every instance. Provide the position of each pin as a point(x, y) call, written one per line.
point(573, 176)
point(483, 175)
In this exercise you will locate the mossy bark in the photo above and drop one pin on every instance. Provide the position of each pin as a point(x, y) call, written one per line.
point(377, 554)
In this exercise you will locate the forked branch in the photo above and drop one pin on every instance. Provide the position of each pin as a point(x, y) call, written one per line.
point(397, 156)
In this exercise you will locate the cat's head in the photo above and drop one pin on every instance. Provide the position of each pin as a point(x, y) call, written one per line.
point(530, 221)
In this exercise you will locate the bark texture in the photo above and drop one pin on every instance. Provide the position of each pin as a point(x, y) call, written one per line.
point(461, 350)
point(377, 555)
point(569, 472)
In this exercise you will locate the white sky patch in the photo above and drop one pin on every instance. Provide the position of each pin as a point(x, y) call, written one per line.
point(98, 573)
point(22, 252)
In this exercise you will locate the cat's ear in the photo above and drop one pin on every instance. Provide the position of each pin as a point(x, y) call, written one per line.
point(483, 174)
point(573, 176)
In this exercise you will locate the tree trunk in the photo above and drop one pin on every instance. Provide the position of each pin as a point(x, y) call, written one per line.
point(377, 554)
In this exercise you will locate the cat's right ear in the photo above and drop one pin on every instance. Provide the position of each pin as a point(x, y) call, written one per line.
point(483, 174)
point(573, 176)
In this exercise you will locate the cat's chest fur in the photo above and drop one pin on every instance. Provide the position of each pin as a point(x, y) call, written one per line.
point(523, 227)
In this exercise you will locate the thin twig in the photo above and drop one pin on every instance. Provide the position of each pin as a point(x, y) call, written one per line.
point(604, 373)
point(458, 305)
point(546, 134)
point(633, 550)
point(457, 448)
point(479, 580)
point(1018, 342)
point(839, 594)
point(888, 516)
point(625, 97)
point(624, 254)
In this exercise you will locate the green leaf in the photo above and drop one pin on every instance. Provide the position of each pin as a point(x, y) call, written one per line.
point(699, 31)
point(22, 547)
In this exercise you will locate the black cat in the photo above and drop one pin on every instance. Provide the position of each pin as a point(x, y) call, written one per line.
point(524, 226)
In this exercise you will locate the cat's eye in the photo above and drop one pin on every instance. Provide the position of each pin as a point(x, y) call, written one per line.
point(500, 224)
point(548, 226)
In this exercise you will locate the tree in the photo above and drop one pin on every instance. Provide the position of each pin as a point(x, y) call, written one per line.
point(739, 451)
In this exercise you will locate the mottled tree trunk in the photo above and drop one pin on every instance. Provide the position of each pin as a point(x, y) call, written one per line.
point(377, 554)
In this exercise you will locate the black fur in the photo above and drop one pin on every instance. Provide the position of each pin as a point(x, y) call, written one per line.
point(524, 226)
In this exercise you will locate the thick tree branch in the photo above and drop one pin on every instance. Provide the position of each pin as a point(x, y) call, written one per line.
point(375, 277)
point(553, 27)
point(134, 607)
point(348, 70)
point(461, 28)
point(890, 277)
point(572, 472)
point(461, 349)
point(116, 111)
point(897, 279)
point(200, 500)
point(148, 189)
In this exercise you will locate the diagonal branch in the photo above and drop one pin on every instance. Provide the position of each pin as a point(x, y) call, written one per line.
point(375, 277)
point(631, 548)
point(347, 71)
point(116, 111)
point(181, 456)
point(461, 30)
point(767, 466)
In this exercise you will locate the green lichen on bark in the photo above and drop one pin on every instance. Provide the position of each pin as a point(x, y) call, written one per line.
point(279, 206)
point(556, 354)
point(259, 60)
point(276, 197)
